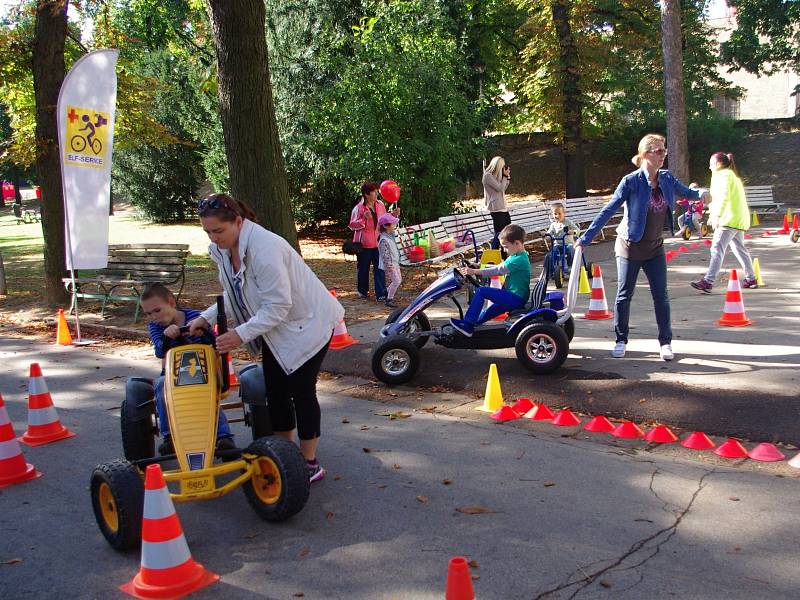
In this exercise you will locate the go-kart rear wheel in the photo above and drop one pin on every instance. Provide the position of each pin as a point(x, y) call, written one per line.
point(686, 233)
point(117, 493)
point(395, 360)
point(569, 328)
point(795, 235)
point(137, 420)
point(419, 322)
point(542, 347)
point(703, 230)
point(279, 486)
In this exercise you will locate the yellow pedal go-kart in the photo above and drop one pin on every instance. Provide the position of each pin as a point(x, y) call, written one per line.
point(271, 470)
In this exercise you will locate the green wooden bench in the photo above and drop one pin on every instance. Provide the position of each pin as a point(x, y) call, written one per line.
point(130, 268)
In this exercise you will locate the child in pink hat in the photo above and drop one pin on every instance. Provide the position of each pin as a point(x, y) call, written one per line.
point(389, 256)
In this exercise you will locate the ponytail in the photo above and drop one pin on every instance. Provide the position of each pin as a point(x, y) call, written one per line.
point(225, 208)
point(725, 160)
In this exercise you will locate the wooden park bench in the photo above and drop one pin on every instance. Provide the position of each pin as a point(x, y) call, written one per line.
point(760, 199)
point(130, 268)
point(26, 215)
point(405, 241)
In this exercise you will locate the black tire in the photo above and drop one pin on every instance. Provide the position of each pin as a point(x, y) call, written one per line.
point(136, 421)
point(558, 276)
point(542, 347)
point(703, 230)
point(117, 493)
point(283, 490)
point(419, 322)
point(569, 328)
point(795, 235)
point(395, 360)
point(687, 234)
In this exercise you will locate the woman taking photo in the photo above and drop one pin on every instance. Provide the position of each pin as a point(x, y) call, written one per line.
point(496, 178)
point(729, 215)
point(647, 197)
point(277, 306)
point(364, 223)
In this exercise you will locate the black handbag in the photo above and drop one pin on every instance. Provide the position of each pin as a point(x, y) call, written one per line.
point(351, 247)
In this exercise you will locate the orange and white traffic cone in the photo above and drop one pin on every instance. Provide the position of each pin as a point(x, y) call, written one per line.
point(785, 228)
point(43, 423)
point(13, 468)
point(341, 339)
point(598, 308)
point(733, 313)
point(167, 568)
point(63, 336)
point(233, 380)
point(495, 283)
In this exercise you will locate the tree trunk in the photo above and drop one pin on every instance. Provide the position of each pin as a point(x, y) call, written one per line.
point(572, 101)
point(48, 74)
point(252, 144)
point(671, 43)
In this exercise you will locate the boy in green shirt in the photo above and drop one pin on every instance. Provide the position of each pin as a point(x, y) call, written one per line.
point(514, 293)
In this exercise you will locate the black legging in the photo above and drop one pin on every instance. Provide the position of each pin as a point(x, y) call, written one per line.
point(499, 220)
point(293, 398)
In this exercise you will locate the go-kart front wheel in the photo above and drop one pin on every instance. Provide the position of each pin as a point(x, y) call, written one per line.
point(686, 234)
point(795, 235)
point(542, 347)
point(395, 360)
point(117, 493)
point(558, 276)
point(419, 322)
point(137, 420)
point(279, 486)
point(703, 230)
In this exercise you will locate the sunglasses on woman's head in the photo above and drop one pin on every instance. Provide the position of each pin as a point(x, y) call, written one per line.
point(212, 203)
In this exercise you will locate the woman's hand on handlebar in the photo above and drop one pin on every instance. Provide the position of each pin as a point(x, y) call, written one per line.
point(198, 326)
point(228, 341)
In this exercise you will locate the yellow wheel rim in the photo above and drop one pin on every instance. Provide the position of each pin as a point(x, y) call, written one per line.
point(108, 507)
point(267, 482)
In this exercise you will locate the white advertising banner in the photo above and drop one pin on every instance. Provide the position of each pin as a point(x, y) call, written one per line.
point(86, 108)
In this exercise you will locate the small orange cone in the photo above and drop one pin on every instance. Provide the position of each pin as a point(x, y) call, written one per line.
point(682, 249)
point(167, 568)
point(13, 468)
point(766, 453)
point(63, 336)
point(341, 339)
point(566, 418)
point(627, 430)
point(459, 581)
point(731, 449)
point(523, 405)
point(697, 440)
point(661, 434)
point(795, 222)
point(497, 284)
point(785, 228)
point(598, 308)
point(733, 313)
point(599, 425)
point(540, 412)
point(505, 413)
point(43, 423)
point(233, 380)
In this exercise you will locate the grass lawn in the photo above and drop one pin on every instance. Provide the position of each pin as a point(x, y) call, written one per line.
point(22, 250)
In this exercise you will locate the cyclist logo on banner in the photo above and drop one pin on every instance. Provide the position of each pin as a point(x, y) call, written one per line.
point(87, 137)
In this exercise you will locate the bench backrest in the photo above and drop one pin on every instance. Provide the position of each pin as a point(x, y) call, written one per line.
point(760, 195)
point(405, 235)
point(480, 223)
point(146, 262)
point(533, 217)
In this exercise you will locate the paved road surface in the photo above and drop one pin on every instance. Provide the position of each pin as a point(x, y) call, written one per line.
point(571, 516)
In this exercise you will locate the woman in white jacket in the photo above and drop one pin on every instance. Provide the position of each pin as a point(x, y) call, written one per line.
point(278, 306)
point(496, 178)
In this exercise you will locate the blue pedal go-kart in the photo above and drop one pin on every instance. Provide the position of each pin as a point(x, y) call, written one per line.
point(557, 262)
point(540, 332)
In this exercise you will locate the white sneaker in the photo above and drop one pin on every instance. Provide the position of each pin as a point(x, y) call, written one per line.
point(666, 352)
point(619, 350)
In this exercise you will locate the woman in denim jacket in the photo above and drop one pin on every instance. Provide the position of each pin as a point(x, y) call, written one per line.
point(648, 198)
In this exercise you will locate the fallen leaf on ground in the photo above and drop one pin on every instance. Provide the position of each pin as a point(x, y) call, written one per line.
point(364, 427)
point(733, 499)
point(549, 483)
point(439, 389)
point(12, 561)
point(382, 486)
point(329, 515)
point(606, 584)
point(446, 482)
point(422, 499)
point(298, 595)
point(304, 552)
point(337, 477)
point(473, 564)
point(475, 576)
point(366, 450)
point(475, 510)
point(250, 536)
point(345, 421)
point(396, 466)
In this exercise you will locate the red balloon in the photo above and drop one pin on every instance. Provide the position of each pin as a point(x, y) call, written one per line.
point(390, 191)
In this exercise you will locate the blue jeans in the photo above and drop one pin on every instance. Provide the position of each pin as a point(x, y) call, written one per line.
point(502, 301)
point(223, 429)
point(367, 257)
point(656, 271)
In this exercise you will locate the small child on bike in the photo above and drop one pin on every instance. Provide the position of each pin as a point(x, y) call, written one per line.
point(166, 319)
point(389, 256)
point(697, 207)
point(515, 291)
point(560, 227)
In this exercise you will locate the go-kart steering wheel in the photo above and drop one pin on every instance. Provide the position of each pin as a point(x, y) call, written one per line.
point(470, 278)
point(168, 342)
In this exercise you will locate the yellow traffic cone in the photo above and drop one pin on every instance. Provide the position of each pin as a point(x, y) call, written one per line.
point(789, 213)
point(757, 269)
point(583, 286)
point(493, 399)
point(754, 222)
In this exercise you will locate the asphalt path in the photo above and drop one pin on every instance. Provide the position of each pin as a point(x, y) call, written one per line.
point(740, 381)
point(556, 517)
